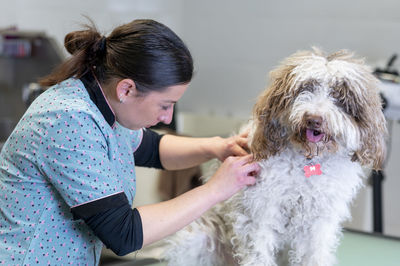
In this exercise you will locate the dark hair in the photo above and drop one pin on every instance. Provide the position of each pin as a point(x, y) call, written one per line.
point(144, 50)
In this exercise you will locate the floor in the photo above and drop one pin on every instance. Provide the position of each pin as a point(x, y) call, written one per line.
point(356, 248)
point(137, 262)
point(365, 249)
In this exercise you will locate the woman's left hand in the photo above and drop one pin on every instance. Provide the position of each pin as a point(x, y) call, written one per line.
point(232, 146)
point(177, 152)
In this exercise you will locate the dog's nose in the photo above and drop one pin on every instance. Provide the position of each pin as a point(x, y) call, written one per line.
point(314, 121)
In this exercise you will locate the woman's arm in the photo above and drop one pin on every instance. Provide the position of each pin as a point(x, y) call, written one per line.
point(162, 219)
point(178, 152)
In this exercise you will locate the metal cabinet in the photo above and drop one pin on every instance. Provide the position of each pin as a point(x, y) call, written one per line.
point(25, 56)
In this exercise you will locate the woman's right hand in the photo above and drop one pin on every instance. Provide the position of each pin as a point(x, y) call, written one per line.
point(233, 174)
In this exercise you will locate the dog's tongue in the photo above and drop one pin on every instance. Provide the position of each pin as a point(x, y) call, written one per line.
point(313, 135)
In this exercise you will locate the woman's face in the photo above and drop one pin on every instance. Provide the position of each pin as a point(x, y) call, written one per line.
point(138, 111)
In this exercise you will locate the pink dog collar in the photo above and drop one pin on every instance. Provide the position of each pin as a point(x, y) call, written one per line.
point(310, 170)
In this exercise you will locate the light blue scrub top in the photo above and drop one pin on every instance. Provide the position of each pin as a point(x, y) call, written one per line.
point(62, 154)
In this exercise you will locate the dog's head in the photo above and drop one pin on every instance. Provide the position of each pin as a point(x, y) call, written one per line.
point(321, 104)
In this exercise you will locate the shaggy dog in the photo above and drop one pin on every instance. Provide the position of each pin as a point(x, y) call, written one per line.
point(312, 130)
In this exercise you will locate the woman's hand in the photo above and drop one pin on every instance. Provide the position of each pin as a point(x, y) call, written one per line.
point(162, 219)
point(178, 152)
point(233, 174)
point(232, 146)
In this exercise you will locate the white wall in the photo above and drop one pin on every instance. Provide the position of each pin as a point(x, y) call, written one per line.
point(57, 18)
point(235, 43)
point(391, 185)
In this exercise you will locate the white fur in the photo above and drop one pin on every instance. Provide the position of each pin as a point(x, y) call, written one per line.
point(283, 211)
point(287, 210)
point(321, 104)
point(287, 218)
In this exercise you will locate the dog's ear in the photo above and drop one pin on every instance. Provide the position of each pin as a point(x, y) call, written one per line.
point(372, 127)
point(270, 137)
point(373, 147)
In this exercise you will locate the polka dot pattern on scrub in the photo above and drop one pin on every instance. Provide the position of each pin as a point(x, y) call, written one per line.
point(62, 154)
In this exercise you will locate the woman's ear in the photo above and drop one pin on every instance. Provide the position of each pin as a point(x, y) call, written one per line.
point(125, 88)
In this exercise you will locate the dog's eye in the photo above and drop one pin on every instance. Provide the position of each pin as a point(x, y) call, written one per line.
point(346, 102)
point(341, 101)
point(335, 94)
point(309, 86)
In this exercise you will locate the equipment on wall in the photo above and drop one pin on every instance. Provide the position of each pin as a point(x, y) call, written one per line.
point(390, 89)
point(390, 93)
point(25, 56)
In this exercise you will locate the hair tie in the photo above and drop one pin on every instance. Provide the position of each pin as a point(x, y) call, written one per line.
point(102, 46)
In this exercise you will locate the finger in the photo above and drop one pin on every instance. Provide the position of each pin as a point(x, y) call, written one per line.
point(252, 168)
point(242, 141)
point(239, 151)
point(245, 134)
point(245, 159)
point(250, 180)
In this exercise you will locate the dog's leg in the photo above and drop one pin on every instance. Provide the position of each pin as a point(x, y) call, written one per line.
point(316, 247)
point(262, 251)
point(256, 241)
point(198, 244)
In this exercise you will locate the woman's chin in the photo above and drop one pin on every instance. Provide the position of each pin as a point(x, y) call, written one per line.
point(131, 127)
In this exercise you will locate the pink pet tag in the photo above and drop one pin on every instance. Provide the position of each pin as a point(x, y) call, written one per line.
point(310, 170)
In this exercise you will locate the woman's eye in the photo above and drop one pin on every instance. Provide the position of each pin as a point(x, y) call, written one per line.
point(165, 108)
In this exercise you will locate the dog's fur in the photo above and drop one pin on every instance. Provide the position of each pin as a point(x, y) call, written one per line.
point(321, 109)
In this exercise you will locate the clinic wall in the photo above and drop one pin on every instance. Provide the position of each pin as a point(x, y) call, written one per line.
point(235, 43)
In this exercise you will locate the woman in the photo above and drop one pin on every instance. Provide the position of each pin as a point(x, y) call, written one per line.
point(67, 174)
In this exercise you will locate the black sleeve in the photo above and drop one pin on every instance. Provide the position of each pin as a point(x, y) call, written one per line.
point(148, 154)
point(114, 222)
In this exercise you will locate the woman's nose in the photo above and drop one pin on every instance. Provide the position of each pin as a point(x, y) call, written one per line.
point(167, 118)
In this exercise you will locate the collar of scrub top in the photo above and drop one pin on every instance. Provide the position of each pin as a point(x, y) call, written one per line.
point(97, 96)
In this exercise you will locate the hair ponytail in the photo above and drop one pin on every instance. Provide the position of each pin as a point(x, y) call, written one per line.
point(145, 51)
point(84, 47)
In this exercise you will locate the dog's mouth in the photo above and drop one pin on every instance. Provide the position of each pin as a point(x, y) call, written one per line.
point(314, 135)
